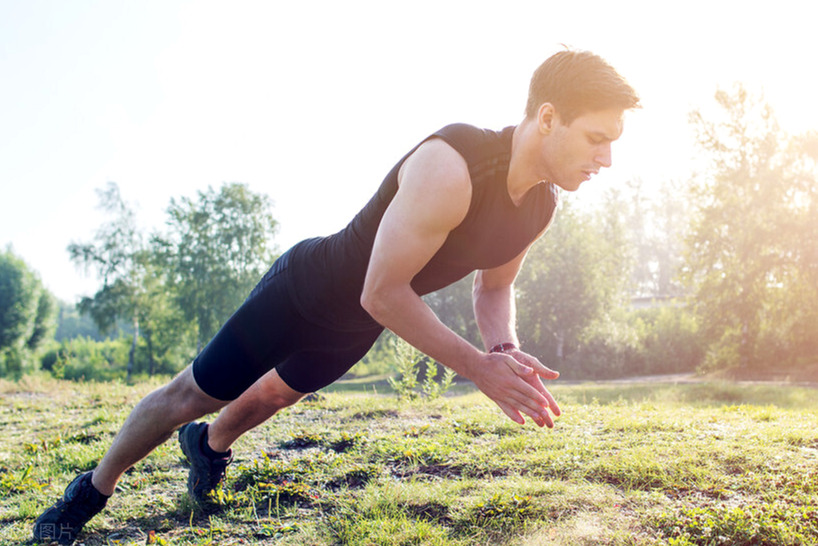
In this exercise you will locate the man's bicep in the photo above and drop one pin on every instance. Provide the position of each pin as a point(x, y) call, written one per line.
point(432, 199)
point(405, 242)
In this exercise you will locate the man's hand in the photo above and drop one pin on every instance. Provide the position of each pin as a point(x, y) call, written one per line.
point(513, 381)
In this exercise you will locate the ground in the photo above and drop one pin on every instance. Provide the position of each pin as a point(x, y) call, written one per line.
point(643, 462)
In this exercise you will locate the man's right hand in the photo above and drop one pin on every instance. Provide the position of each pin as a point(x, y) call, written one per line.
point(516, 388)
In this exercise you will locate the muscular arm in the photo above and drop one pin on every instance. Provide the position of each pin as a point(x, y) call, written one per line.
point(494, 307)
point(432, 199)
point(495, 313)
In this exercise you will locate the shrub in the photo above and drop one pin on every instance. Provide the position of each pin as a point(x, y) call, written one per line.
point(409, 362)
point(84, 358)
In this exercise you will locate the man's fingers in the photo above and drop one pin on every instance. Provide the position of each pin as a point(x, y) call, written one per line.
point(529, 396)
point(513, 414)
point(535, 365)
point(549, 398)
point(516, 366)
point(546, 373)
point(540, 369)
point(541, 419)
point(539, 415)
point(552, 404)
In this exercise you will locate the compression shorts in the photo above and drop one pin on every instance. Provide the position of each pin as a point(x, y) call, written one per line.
point(268, 332)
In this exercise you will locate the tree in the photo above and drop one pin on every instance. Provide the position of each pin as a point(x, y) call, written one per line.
point(571, 278)
point(453, 306)
point(121, 259)
point(217, 248)
point(654, 227)
point(73, 324)
point(751, 252)
point(44, 320)
point(26, 313)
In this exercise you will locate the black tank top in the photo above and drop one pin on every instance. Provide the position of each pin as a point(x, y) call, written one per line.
point(326, 274)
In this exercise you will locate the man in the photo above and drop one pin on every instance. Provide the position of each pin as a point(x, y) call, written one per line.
point(463, 200)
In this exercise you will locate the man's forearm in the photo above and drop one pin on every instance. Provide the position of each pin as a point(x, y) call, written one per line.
point(403, 312)
point(495, 312)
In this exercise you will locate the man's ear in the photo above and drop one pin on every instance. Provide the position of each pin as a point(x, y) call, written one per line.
point(546, 118)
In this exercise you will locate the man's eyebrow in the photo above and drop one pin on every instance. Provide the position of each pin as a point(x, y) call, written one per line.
point(601, 135)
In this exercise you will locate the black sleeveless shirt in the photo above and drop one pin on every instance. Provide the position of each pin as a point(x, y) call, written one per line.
point(326, 274)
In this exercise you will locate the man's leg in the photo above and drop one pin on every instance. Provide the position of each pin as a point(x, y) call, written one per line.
point(261, 401)
point(150, 424)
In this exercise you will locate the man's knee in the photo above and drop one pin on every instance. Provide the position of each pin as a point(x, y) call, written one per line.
point(275, 392)
point(188, 397)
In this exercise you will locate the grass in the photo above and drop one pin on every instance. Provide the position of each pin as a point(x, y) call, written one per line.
point(627, 464)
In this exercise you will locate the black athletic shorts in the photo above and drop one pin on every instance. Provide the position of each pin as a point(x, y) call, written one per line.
point(268, 332)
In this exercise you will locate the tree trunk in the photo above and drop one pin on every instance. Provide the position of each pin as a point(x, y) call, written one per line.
point(132, 354)
point(744, 347)
point(151, 362)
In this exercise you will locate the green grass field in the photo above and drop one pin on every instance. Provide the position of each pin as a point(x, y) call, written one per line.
point(705, 464)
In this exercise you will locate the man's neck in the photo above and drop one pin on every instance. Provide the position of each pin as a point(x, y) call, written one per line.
point(523, 172)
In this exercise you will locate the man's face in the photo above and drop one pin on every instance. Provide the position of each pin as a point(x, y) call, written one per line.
point(577, 151)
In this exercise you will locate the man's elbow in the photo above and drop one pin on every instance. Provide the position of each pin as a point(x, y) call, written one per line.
point(373, 302)
point(483, 288)
point(483, 285)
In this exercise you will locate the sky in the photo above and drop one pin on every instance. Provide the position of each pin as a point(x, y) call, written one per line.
point(312, 102)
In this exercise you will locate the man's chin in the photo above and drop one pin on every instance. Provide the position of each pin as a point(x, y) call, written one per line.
point(570, 186)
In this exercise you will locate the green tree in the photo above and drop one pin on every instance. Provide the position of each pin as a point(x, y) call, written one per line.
point(453, 305)
point(26, 313)
point(44, 320)
point(18, 299)
point(572, 277)
point(121, 258)
point(751, 252)
point(217, 247)
point(169, 338)
point(72, 324)
point(655, 224)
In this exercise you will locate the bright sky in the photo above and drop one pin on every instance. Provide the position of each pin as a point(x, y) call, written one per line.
point(313, 102)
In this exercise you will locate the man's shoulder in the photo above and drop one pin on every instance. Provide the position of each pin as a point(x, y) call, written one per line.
point(465, 130)
point(476, 144)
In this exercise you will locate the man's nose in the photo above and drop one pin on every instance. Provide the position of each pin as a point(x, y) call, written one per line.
point(603, 157)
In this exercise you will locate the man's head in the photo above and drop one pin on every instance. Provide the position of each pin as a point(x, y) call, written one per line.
point(576, 102)
point(577, 83)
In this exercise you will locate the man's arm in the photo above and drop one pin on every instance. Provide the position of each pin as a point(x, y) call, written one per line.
point(495, 313)
point(432, 199)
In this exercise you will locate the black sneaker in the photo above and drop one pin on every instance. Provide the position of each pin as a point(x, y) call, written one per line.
point(206, 473)
point(65, 519)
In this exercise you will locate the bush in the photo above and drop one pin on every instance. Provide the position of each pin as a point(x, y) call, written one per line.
point(84, 358)
point(609, 348)
point(660, 340)
point(672, 341)
point(408, 363)
point(14, 361)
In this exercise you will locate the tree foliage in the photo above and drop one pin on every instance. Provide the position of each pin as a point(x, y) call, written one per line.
point(120, 257)
point(453, 306)
point(27, 312)
point(216, 248)
point(572, 277)
point(654, 224)
point(169, 286)
point(752, 258)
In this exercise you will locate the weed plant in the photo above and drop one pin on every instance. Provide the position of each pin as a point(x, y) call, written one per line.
point(701, 464)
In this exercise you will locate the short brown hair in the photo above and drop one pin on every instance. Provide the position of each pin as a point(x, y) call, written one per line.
point(578, 82)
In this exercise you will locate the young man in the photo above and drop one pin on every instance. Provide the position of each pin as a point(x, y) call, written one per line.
point(463, 200)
